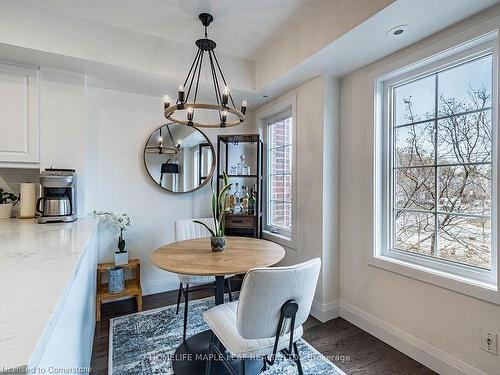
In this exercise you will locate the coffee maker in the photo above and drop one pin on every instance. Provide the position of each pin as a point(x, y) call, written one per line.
point(58, 196)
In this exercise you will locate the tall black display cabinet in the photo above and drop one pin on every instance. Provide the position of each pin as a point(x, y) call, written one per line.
point(229, 151)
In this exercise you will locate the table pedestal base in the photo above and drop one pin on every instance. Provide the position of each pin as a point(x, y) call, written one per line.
point(191, 359)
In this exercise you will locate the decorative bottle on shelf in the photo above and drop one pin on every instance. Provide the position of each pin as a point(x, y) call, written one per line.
point(251, 203)
point(229, 203)
point(244, 200)
point(237, 200)
point(237, 194)
point(241, 166)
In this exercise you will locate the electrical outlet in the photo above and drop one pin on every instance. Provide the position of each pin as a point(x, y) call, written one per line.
point(489, 341)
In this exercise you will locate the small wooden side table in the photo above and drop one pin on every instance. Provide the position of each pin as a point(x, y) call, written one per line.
point(132, 286)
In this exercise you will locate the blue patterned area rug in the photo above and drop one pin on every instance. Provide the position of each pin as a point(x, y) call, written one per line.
point(143, 343)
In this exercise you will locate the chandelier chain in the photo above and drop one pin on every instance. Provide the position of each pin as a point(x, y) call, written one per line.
point(216, 82)
point(223, 78)
point(198, 80)
point(193, 76)
point(192, 65)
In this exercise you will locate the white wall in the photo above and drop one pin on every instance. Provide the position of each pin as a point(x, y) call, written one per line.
point(438, 327)
point(331, 193)
point(118, 125)
point(317, 129)
point(62, 125)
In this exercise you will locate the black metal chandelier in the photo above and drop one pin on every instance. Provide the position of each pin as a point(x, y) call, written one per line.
point(223, 104)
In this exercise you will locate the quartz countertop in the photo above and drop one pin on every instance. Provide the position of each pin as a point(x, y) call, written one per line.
point(38, 263)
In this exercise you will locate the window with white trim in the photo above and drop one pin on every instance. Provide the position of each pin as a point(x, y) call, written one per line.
point(439, 131)
point(279, 174)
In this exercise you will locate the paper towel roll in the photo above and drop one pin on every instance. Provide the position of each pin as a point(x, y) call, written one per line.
point(28, 200)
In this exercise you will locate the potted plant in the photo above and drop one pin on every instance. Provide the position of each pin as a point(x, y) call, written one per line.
point(7, 201)
point(122, 221)
point(218, 241)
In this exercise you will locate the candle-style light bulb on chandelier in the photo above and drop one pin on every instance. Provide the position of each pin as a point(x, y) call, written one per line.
point(187, 94)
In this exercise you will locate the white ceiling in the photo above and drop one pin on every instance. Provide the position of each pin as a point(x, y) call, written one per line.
point(369, 42)
point(241, 28)
point(53, 38)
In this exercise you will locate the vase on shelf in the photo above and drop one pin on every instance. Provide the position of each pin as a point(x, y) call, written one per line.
point(116, 280)
point(242, 166)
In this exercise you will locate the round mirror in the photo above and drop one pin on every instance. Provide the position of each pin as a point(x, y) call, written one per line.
point(179, 158)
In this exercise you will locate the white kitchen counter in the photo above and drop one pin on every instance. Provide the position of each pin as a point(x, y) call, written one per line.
point(38, 265)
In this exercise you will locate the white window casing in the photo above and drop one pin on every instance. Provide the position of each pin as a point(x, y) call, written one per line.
point(276, 111)
point(468, 279)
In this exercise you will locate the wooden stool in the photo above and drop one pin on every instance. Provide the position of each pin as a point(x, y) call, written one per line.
point(132, 286)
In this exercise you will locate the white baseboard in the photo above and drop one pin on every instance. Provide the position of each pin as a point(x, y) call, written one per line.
point(159, 285)
point(325, 312)
point(428, 355)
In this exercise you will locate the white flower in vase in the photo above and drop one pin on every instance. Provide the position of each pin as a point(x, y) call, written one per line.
point(122, 222)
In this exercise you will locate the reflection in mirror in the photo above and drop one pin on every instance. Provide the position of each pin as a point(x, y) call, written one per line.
point(179, 158)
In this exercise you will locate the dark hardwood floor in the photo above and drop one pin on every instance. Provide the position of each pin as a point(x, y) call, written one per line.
point(347, 346)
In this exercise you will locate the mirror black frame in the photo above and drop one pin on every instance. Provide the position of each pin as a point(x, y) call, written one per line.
point(208, 177)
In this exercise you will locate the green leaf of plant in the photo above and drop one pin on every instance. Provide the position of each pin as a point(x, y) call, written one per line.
point(6, 197)
point(223, 225)
point(221, 221)
point(206, 226)
point(217, 228)
point(224, 190)
point(214, 208)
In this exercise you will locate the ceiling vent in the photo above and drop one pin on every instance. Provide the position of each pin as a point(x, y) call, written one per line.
point(398, 31)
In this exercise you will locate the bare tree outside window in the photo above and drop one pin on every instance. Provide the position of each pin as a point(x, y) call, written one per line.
point(442, 164)
point(279, 156)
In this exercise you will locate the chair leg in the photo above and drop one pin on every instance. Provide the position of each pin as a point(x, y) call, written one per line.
point(186, 300)
point(297, 359)
point(228, 281)
point(178, 298)
point(208, 368)
point(242, 372)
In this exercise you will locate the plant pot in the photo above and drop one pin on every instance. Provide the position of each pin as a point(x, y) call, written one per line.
point(218, 243)
point(6, 210)
point(121, 258)
point(116, 280)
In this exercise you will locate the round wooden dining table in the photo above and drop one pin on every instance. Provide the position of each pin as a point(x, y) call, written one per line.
point(195, 257)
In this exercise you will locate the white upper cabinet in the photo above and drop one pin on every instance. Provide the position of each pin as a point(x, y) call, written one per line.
point(19, 141)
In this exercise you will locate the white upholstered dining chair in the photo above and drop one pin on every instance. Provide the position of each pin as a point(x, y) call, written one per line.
point(186, 229)
point(274, 302)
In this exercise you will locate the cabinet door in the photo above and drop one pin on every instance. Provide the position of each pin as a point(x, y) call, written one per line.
point(18, 114)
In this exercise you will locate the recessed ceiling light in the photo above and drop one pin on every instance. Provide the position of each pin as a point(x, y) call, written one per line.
point(398, 31)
